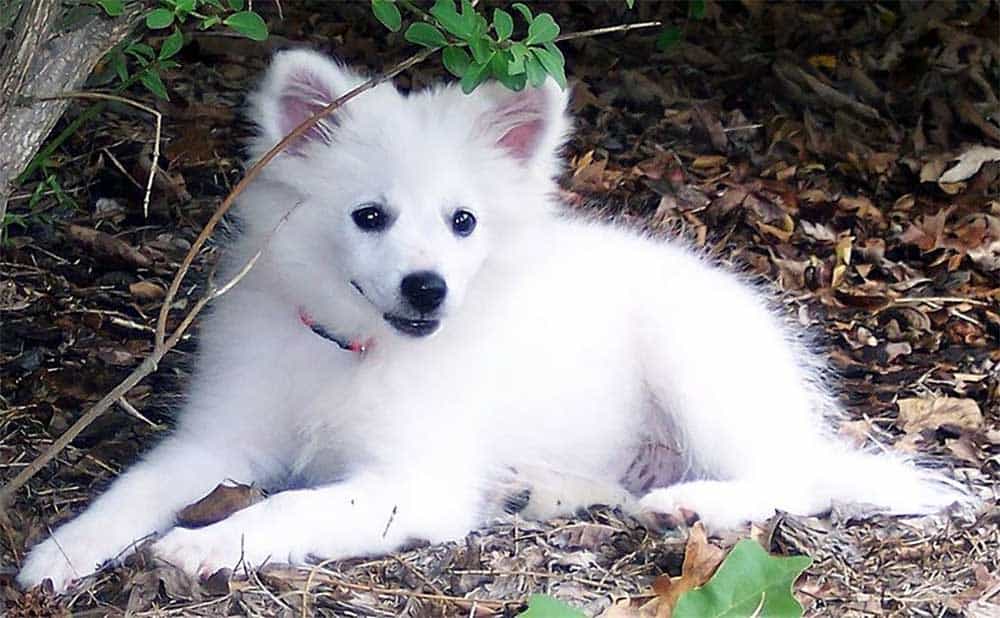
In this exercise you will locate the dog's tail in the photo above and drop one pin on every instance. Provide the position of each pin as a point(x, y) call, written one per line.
point(886, 481)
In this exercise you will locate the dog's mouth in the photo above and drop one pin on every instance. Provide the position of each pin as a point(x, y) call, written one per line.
point(413, 327)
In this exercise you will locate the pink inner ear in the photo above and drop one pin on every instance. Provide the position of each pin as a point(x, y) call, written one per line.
point(304, 95)
point(521, 141)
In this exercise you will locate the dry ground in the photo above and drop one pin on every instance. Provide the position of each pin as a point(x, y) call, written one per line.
point(805, 143)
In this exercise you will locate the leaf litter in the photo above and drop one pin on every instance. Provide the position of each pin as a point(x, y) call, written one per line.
point(845, 152)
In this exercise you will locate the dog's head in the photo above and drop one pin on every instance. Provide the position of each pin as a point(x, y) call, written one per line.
point(400, 199)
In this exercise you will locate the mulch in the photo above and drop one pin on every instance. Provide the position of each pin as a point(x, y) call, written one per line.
point(845, 152)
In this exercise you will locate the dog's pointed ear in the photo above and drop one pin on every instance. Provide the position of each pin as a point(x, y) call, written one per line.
point(298, 84)
point(530, 126)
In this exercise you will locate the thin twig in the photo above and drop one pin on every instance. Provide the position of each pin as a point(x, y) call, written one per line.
point(607, 30)
point(100, 96)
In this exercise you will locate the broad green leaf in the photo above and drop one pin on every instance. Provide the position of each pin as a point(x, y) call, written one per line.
point(119, 65)
point(449, 19)
point(474, 76)
point(500, 68)
point(543, 606)
point(552, 64)
point(554, 50)
point(211, 20)
point(388, 13)
point(183, 7)
point(503, 24)
point(159, 18)
point(696, 9)
point(236, 5)
point(249, 24)
point(669, 37)
point(141, 50)
point(456, 60)
point(534, 71)
point(630, 4)
point(425, 34)
point(172, 44)
point(151, 80)
point(113, 8)
point(524, 10)
point(749, 582)
point(542, 29)
point(481, 49)
point(519, 52)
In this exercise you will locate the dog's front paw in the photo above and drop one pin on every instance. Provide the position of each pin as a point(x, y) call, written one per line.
point(719, 505)
point(200, 552)
point(64, 561)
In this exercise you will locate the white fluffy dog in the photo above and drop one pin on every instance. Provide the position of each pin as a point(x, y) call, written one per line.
point(426, 333)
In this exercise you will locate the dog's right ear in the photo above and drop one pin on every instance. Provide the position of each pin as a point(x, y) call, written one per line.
point(298, 84)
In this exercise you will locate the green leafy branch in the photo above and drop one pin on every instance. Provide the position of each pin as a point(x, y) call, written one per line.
point(475, 49)
point(172, 14)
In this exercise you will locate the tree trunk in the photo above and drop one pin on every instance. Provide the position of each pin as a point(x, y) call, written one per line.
point(39, 59)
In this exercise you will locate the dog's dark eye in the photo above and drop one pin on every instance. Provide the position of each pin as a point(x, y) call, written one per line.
point(371, 218)
point(463, 222)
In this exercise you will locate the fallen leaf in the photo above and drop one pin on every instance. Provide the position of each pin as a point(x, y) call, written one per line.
point(146, 290)
point(701, 559)
point(222, 502)
point(105, 245)
point(919, 413)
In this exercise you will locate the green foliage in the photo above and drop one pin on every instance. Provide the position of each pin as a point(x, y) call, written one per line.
point(750, 582)
point(670, 36)
point(542, 606)
point(475, 48)
point(149, 63)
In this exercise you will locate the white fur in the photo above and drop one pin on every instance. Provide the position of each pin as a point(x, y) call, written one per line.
point(566, 348)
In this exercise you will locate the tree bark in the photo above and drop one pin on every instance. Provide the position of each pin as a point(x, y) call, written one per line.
point(39, 59)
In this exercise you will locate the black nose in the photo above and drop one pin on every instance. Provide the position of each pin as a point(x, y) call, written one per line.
point(424, 290)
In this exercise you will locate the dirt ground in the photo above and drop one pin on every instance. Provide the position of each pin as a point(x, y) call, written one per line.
point(831, 148)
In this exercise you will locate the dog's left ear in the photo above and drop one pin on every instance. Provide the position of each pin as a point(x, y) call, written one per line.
point(530, 125)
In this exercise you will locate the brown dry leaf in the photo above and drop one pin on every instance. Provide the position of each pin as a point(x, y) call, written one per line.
point(146, 290)
point(970, 162)
point(928, 232)
point(105, 245)
point(701, 559)
point(222, 502)
point(919, 413)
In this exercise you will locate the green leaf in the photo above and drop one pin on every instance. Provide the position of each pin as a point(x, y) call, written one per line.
point(542, 29)
point(113, 8)
point(669, 37)
point(141, 50)
point(215, 3)
point(500, 68)
point(249, 24)
point(425, 34)
point(236, 5)
point(456, 60)
point(211, 20)
point(750, 582)
point(388, 13)
point(449, 19)
point(534, 71)
point(172, 44)
point(554, 50)
point(119, 65)
point(159, 18)
point(519, 52)
point(552, 64)
point(524, 10)
point(543, 606)
point(481, 49)
point(503, 24)
point(696, 9)
point(474, 76)
point(630, 4)
point(151, 80)
point(183, 7)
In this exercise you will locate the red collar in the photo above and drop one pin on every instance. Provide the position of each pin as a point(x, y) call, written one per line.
point(352, 345)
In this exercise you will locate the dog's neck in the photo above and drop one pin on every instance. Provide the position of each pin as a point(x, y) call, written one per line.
point(355, 345)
